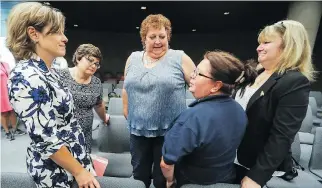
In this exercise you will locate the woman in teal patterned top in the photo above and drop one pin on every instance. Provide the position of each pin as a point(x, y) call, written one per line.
point(153, 96)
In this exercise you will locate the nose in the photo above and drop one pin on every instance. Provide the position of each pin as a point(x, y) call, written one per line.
point(259, 48)
point(65, 39)
point(157, 40)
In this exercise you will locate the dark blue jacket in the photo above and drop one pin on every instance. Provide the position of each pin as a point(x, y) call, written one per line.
point(203, 140)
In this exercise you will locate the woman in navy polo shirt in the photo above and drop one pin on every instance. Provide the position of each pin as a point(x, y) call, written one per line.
point(203, 140)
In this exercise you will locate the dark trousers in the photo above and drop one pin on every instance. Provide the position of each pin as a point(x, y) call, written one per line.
point(146, 152)
point(180, 179)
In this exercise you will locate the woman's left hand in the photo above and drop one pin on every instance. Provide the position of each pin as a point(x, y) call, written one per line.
point(249, 183)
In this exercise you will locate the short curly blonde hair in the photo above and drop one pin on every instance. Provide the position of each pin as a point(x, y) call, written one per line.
point(156, 21)
point(32, 14)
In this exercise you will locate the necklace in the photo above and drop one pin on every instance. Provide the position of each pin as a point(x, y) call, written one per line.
point(148, 60)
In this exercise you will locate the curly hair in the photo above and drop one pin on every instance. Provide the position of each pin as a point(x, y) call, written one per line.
point(156, 21)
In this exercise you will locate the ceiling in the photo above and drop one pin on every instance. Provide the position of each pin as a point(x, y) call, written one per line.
point(204, 17)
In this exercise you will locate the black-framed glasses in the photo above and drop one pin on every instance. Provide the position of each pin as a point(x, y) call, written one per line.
point(197, 72)
point(92, 62)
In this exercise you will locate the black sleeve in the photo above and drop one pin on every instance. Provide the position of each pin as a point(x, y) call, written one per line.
point(293, 98)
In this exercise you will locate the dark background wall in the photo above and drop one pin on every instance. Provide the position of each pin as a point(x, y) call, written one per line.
point(317, 59)
point(116, 47)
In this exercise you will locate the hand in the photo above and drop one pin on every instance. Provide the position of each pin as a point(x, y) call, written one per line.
point(85, 179)
point(163, 165)
point(249, 183)
point(167, 171)
point(107, 119)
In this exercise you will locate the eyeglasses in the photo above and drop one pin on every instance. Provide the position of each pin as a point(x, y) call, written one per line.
point(282, 25)
point(197, 72)
point(91, 62)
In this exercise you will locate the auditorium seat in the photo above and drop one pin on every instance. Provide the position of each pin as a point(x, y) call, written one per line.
point(114, 144)
point(303, 180)
point(119, 86)
point(119, 164)
point(306, 137)
point(296, 148)
point(318, 97)
point(189, 101)
point(315, 164)
point(305, 132)
point(307, 123)
point(118, 92)
point(189, 95)
point(107, 86)
point(115, 106)
point(114, 138)
point(23, 180)
point(317, 115)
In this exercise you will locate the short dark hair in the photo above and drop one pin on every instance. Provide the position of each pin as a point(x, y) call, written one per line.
point(87, 50)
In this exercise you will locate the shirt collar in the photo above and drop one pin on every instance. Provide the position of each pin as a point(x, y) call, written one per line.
point(39, 63)
point(208, 98)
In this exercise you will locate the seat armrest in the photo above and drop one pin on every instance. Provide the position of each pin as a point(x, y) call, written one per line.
point(317, 122)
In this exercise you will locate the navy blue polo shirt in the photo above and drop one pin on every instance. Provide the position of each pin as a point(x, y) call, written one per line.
point(203, 140)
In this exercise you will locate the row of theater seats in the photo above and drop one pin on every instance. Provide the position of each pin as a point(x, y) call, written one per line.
point(113, 143)
point(311, 121)
point(110, 86)
point(311, 138)
point(23, 180)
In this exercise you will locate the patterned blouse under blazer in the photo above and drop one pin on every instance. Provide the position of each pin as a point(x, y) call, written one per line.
point(46, 108)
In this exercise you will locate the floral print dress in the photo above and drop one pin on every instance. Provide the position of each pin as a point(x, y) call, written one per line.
point(46, 108)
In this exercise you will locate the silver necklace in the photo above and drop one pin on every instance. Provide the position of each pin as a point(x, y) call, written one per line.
point(148, 60)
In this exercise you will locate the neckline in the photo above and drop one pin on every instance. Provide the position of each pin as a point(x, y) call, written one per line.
point(70, 74)
point(211, 97)
point(159, 61)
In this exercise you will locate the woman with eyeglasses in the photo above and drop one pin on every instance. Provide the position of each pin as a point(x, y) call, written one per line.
point(200, 148)
point(275, 104)
point(86, 88)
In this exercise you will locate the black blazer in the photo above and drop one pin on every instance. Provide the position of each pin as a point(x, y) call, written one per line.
point(275, 114)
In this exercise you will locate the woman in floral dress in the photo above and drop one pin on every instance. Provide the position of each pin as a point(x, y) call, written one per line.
point(56, 154)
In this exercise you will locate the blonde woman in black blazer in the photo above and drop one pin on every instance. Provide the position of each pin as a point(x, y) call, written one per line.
point(275, 104)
